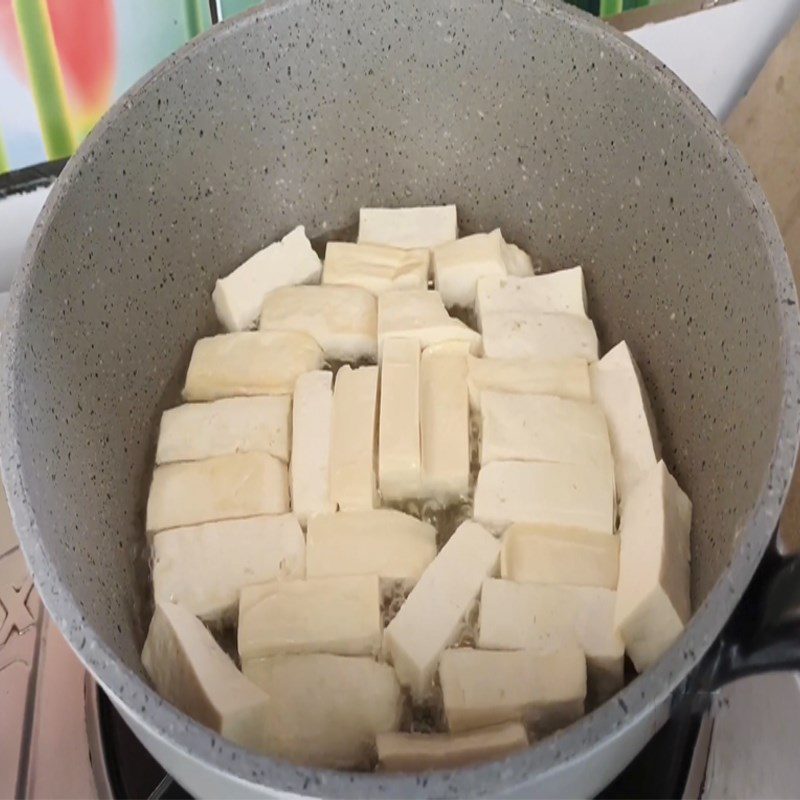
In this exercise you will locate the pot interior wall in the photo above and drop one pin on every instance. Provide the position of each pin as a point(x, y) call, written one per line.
point(304, 115)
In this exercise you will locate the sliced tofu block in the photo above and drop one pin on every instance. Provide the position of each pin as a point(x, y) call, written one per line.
point(533, 334)
point(653, 601)
point(326, 710)
point(376, 268)
point(249, 363)
point(383, 542)
point(238, 297)
point(540, 427)
point(561, 292)
point(204, 567)
point(320, 615)
point(421, 315)
point(544, 554)
point(190, 670)
point(618, 389)
point(423, 226)
point(562, 495)
point(353, 439)
point(421, 752)
point(343, 320)
point(567, 378)
point(310, 467)
point(431, 617)
point(399, 436)
point(225, 487)
point(486, 687)
point(518, 262)
point(519, 616)
point(444, 422)
point(458, 265)
point(232, 425)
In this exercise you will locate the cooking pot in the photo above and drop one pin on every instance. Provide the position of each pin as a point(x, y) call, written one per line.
point(528, 116)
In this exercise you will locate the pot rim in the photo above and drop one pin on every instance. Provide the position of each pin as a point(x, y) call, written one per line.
point(567, 748)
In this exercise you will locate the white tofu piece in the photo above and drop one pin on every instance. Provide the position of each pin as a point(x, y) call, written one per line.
point(487, 687)
point(383, 542)
point(196, 431)
point(326, 710)
point(376, 268)
point(421, 315)
point(190, 670)
point(545, 554)
point(457, 266)
point(444, 423)
point(343, 320)
point(238, 297)
point(225, 487)
point(399, 434)
point(527, 616)
point(431, 617)
point(421, 752)
point(339, 615)
point(653, 595)
point(310, 467)
point(423, 226)
point(533, 334)
point(249, 363)
point(618, 389)
point(204, 567)
point(353, 439)
point(561, 292)
point(518, 262)
point(562, 495)
point(540, 427)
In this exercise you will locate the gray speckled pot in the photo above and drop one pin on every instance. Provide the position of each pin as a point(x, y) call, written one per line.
point(527, 115)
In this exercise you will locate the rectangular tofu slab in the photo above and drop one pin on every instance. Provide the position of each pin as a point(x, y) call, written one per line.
point(533, 334)
point(224, 487)
point(444, 423)
point(312, 415)
point(353, 438)
point(567, 378)
point(561, 495)
point(204, 567)
point(249, 363)
point(430, 619)
point(423, 226)
point(326, 710)
point(539, 427)
point(520, 616)
point(421, 315)
point(383, 542)
point(374, 267)
point(546, 554)
point(232, 425)
point(238, 297)
point(618, 389)
point(486, 687)
point(421, 752)
point(343, 320)
point(399, 435)
point(321, 615)
point(518, 262)
point(458, 265)
point(653, 600)
point(190, 670)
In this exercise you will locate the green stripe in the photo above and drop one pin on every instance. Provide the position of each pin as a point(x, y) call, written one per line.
point(610, 7)
point(5, 165)
point(195, 22)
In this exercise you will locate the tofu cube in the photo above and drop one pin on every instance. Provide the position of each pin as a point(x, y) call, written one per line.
point(238, 297)
point(204, 567)
point(249, 363)
point(431, 617)
point(423, 226)
point(534, 334)
point(190, 670)
point(225, 487)
point(376, 268)
point(518, 262)
point(653, 599)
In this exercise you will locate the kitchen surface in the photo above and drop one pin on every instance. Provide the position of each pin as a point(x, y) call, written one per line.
point(64, 738)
